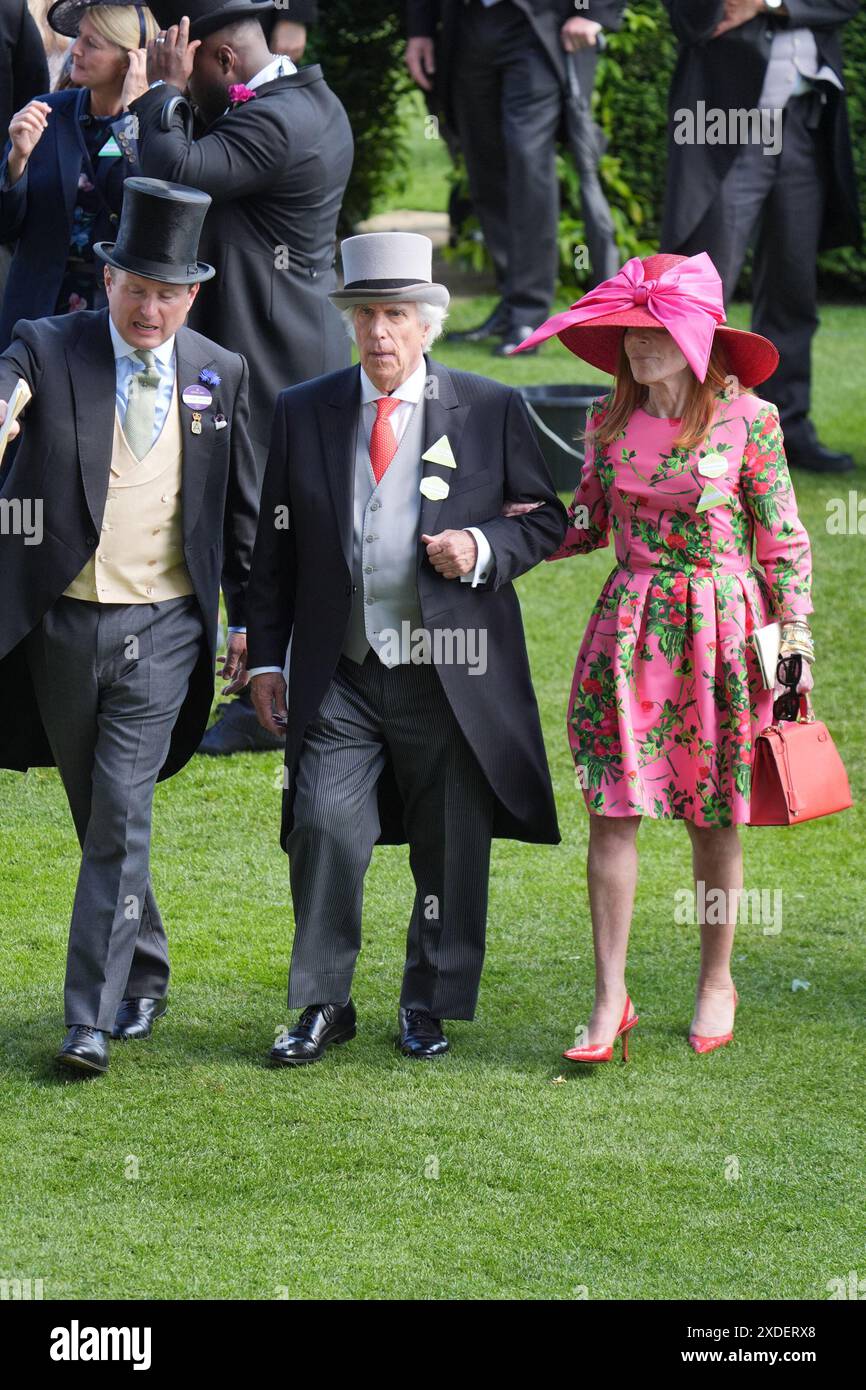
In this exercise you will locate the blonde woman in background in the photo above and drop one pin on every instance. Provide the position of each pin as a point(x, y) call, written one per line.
point(68, 154)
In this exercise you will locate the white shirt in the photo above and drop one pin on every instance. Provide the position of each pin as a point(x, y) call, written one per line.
point(279, 66)
point(409, 393)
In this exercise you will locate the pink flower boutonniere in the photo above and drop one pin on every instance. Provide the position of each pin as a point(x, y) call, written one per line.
point(238, 94)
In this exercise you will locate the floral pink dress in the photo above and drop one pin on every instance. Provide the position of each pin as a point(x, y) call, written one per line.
point(667, 697)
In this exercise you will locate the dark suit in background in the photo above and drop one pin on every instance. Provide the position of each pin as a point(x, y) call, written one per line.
point(276, 169)
point(23, 76)
point(793, 204)
point(23, 65)
point(508, 87)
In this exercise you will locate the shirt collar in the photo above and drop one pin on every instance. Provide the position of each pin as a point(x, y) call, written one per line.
point(122, 348)
point(279, 66)
point(412, 389)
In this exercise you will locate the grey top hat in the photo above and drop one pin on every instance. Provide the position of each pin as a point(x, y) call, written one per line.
point(385, 267)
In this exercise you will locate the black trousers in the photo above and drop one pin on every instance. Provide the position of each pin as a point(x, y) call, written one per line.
point(509, 105)
point(776, 201)
point(371, 712)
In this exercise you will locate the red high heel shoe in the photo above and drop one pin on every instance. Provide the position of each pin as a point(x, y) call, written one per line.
point(701, 1045)
point(598, 1052)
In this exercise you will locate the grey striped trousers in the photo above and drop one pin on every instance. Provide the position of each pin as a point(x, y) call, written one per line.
point(371, 712)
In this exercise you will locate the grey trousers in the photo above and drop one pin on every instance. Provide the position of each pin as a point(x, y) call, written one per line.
point(368, 712)
point(110, 680)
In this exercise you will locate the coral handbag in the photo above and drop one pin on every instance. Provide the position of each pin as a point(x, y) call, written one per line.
point(797, 773)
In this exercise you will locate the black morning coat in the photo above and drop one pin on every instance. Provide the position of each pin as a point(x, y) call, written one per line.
point(301, 578)
point(276, 168)
point(63, 459)
point(728, 73)
point(23, 66)
point(439, 19)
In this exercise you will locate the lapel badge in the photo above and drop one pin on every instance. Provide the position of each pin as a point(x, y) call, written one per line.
point(435, 488)
point(195, 427)
point(441, 452)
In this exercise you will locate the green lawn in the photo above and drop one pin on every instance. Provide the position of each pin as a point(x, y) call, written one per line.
point(193, 1171)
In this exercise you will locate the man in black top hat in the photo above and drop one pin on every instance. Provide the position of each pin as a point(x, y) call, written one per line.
point(110, 590)
point(275, 157)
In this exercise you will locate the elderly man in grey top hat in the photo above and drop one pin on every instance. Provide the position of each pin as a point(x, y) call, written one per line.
point(401, 500)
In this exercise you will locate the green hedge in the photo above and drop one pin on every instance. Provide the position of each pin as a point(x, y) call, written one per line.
point(361, 47)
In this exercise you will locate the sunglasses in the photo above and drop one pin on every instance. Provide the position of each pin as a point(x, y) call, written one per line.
point(788, 673)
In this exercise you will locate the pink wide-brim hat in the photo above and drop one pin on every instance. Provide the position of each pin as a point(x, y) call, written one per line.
point(680, 293)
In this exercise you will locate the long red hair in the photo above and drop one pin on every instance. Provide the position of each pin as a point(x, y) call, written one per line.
point(629, 395)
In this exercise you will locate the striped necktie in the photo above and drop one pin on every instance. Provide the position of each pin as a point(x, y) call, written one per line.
point(141, 410)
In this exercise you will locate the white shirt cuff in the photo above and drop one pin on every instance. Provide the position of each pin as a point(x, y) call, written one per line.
point(259, 670)
point(236, 629)
point(484, 563)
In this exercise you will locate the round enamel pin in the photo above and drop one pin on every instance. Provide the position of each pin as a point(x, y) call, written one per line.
point(196, 397)
point(712, 466)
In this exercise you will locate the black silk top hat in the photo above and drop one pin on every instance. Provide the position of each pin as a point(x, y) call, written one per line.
point(206, 16)
point(160, 225)
point(66, 16)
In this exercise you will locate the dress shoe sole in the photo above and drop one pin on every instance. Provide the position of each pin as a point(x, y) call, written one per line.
point(307, 1061)
point(139, 1037)
point(421, 1056)
point(65, 1059)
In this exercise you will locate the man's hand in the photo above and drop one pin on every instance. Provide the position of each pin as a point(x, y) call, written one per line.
point(421, 61)
point(234, 663)
point(268, 691)
point(738, 12)
point(170, 56)
point(14, 428)
point(578, 33)
point(290, 38)
point(452, 553)
point(135, 82)
point(26, 129)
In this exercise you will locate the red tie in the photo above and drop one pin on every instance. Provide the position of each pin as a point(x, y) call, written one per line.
point(383, 445)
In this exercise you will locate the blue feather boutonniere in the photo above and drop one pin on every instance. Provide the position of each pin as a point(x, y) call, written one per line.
point(209, 378)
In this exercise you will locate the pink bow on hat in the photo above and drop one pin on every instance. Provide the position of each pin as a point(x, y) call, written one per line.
point(686, 299)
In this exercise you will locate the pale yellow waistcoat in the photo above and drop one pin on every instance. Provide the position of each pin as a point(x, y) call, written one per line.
point(140, 554)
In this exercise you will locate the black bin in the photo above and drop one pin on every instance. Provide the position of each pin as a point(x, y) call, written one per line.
point(559, 416)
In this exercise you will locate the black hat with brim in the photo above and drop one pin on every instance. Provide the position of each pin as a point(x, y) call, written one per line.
point(206, 16)
point(66, 15)
point(158, 235)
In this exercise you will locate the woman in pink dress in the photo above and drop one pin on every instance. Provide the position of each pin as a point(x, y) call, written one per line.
point(685, 470)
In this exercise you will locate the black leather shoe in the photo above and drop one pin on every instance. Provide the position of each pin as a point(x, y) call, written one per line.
point(817, 458)
point(319, 1027)
point(84, 1048)
point(493, 325)
point(135, 1018)
point(237, 730)
point(517, 334)
point(420, 1034)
